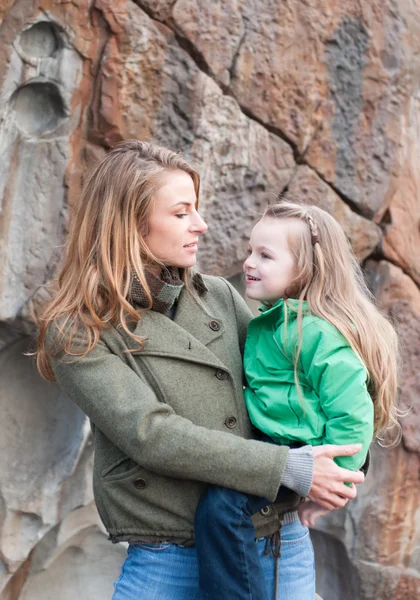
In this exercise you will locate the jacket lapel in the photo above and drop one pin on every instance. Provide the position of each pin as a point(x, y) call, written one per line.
point(188, 337)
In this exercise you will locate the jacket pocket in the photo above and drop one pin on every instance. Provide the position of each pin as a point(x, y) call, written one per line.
point(120, 469)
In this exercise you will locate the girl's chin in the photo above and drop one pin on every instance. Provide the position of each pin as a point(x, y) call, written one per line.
point(251, 296)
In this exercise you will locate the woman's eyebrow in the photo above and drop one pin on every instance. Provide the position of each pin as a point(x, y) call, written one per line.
point(182, 203)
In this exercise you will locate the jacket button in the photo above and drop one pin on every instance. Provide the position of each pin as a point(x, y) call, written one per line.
point(140, 483)
point(222, 375)
point(214, 325)
point(266, 511)
point(230, 422)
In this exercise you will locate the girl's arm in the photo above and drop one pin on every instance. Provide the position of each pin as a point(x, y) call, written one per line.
point(339, 378)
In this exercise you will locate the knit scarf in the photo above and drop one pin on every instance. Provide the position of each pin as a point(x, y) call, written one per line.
point(165, 290)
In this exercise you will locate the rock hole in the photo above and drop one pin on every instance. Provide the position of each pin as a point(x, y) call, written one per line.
point(38, 108)
point(41, 40)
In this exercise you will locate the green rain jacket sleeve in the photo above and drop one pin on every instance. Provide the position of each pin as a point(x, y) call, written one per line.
point(339, 378)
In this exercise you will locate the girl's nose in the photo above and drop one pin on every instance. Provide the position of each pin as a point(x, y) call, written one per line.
point(248, 264)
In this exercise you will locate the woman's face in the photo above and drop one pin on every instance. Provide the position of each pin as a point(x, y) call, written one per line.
point(174, 223)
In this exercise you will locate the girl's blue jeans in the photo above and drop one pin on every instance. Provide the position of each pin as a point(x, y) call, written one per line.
point(228, 562)
point(170, 572)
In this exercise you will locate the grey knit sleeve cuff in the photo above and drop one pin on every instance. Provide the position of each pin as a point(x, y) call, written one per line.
point(299, 470)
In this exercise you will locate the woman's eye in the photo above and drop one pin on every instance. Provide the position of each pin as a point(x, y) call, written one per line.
point(181, 215)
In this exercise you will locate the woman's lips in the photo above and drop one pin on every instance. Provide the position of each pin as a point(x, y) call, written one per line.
point(191, 247)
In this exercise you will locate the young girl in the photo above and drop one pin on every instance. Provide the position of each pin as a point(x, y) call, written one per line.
point(321, 367)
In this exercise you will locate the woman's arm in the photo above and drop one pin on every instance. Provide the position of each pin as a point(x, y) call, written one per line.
point(127, 411)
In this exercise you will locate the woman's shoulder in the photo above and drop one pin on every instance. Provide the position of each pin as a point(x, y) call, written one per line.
point(216, 285)
point(224, 296)
point(55, 332)
point(68, 337)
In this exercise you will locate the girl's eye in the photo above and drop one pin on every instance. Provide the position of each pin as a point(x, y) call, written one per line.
point(248, 251)
point(181, 215)
point(264, 255)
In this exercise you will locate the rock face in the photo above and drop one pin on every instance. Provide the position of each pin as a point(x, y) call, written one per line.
point(320, 97)
point(378, 535)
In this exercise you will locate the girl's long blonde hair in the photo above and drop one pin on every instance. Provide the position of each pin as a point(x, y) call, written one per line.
point(105, 248)
point(331, 281)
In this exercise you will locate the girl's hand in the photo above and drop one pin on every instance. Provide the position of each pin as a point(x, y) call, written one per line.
point(328, 484)
point(309, 512)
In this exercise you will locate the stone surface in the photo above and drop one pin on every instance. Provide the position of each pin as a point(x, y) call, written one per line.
point(320, 96)
point(363, 234)
point(39, 77)
point(46, 441)
point(331, 77)
point(74, 560)
point(216, 29)
point(400, 297)
point(377, 536)
point(401, 242)
point(379, 533)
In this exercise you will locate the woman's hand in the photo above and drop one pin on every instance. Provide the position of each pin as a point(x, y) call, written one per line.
point(329, 487)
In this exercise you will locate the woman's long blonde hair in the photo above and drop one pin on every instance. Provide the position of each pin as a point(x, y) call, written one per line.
point(331, 281)
point(105, 248)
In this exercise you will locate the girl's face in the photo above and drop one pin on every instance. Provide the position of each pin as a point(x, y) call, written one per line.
point(174, 223)
point(270, 267)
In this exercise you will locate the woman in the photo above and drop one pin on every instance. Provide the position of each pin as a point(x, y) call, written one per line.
point(151, 351)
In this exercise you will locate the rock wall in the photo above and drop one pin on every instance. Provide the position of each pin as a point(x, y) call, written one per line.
point(317, 95)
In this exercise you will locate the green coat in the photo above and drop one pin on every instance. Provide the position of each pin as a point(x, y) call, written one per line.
point(334, 406)
point(171, 418)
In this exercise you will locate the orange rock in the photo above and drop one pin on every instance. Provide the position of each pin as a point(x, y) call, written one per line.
point(362, 233)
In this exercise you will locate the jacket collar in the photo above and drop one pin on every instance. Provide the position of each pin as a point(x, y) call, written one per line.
point(278, 309)
point(189, 336)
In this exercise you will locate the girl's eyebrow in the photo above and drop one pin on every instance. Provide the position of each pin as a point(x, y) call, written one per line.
point(261, 249)
point(265, 249)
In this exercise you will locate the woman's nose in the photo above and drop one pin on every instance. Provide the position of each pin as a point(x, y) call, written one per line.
point(199, 225)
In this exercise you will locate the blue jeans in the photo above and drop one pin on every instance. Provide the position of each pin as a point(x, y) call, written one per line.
point(228, 561)
point(170, 572)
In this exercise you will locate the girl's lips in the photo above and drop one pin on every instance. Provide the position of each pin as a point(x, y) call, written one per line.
point(251, 279)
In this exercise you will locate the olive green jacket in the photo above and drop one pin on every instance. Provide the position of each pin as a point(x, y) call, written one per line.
point(171, 418)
